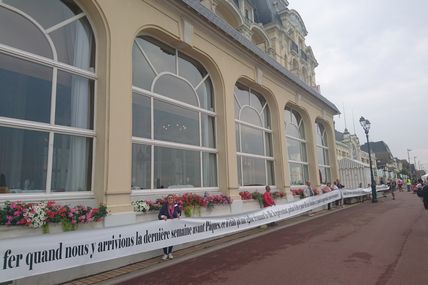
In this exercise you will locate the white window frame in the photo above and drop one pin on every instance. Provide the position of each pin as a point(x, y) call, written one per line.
point(152, 142)
point(51, 128)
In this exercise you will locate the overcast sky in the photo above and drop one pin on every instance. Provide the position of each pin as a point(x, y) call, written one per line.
point(373, 62)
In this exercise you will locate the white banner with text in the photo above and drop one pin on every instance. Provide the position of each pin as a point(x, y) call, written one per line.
point(27, 256)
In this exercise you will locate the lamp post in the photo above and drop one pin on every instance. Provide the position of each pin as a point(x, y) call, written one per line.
point(366, 126)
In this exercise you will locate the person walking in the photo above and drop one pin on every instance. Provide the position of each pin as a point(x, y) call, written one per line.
point(408, 184)
point(169, 210)
point(392, 188)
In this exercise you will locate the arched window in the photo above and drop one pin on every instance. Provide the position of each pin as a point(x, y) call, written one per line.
point(322, 154)
point(173, 119)
point(296, 146)
point(253, 138)
point(47, 79)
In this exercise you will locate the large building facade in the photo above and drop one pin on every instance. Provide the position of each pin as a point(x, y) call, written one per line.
point(111, 101)
point(108, 101)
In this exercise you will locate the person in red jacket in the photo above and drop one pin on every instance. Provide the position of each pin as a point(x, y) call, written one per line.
point(267, 198)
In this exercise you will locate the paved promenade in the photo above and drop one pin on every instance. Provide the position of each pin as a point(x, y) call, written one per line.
point(383, 243)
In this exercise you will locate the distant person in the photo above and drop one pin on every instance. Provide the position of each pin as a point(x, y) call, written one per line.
point(408, 184)
point(338, 184)
point(400, 185)
point(267, 198)
point(308, 192)
point(425, 195)
point(169, 210)
point(392, 187)
point(326, 189)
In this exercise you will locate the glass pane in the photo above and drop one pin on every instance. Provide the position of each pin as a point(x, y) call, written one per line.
point(141, 116)
point(324, 174)
point(24, 35)
point(266, 117)
point(75, 44)
point(72, 164)
point(237, 108)
point(142, 73)
point(242, 94)
point(209, 167)
point(190, 69)
point(176, 124)
point(47, 12)
point(318, 134)
point(254, 171)
point(296, 150)
point(326, 160)
point(23, 160)
point(320, 156)
point(25, 91)
point(250, 116)
point(268, 143)
point(205, 93)
point(177, 168)
point(208, 131)
point(141, 166)
point(239, 171)
point(257, 101)
point(270, 172)
point(238, 138)
point(252, 140)
point(175, 88)
point(298, 173)
point(161, 56)
point(74, 101)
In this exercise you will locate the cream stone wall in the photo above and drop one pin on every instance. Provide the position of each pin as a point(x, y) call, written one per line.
point(117, 23)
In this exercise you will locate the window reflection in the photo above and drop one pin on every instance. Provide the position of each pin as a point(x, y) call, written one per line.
point(181, 172)
point(25, 91)
point(74, 101)
point(72, 163)
point(23, 160)
point(141, 166)
point(175, 124)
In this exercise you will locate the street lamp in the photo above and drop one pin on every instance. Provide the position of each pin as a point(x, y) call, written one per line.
point(366, 126)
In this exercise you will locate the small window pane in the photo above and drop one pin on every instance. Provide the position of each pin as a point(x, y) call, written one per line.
point(47, 12)
point(238, 138)
point(270, 172)
point(296, 150)
point(326, 159)
point(141, 166)
point(175, 88)
point(266, 117)
point(177, 168)
point(74, 101)
point(320, 156)
point(254, 171)
point(237, 109)
point(205, 93)
point(298, 173)
point(25, 91)
point(242, 95)
point(324, 173)
point(252, 140)
point(75, 44)
point(142, 73)
point(23, 160)
point(24, 35)
point(208, 131)
point(210, 169)
point(250, 116)
point(190, 69)
point(141, 116)
point(257, 101)
point(161, 56)
point(239, 170)
point(176, 124)
point(72, 164)
point(268, 142)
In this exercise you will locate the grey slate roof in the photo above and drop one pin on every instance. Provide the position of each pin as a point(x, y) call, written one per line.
point(234, 34)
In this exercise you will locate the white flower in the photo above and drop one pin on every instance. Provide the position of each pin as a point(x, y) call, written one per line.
point(140, 206)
